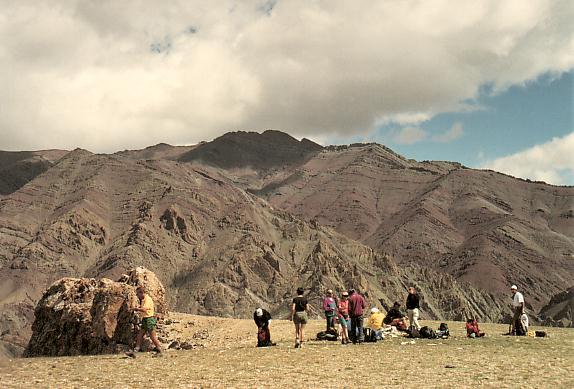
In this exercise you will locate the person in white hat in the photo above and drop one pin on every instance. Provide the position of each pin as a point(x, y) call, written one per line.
point(375, 324)
point(518, 311)
point(262, 319)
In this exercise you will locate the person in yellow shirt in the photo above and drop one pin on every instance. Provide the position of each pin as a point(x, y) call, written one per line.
point(149, 322)
point(375, 324)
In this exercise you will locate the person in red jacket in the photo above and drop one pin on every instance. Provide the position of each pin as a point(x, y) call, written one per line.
point(357, 305)
point(472, 330)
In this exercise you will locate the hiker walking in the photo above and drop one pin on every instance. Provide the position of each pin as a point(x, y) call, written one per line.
point(262, 318)
point(357, 305)
point(148, 322)
point(413, 306)
point(343, 316)
point(299, 316)
point(518, 312)
point(330, 309)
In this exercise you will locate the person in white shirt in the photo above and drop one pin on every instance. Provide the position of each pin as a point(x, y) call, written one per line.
point(517, 306)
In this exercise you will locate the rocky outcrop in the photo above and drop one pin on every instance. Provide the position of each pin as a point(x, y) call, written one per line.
point(89, 316)
point(559, 312)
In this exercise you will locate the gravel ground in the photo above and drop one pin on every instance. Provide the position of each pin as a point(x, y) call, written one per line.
point(229, 359)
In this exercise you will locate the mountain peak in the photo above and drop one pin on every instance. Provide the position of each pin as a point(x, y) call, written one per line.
point(260, 151)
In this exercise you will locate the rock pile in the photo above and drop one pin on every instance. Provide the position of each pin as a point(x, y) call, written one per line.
point(88, 316)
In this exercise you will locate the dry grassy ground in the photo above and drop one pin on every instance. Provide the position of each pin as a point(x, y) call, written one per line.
point(231, 360)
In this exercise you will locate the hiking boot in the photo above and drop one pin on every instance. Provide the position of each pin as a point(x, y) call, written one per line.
point(130, 354)
point(297, 344)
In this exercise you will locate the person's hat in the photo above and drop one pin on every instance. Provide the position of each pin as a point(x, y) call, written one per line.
point(345, 293)
point(259, 312)
point(329, 291)
point(374, 310)
point(514, 287)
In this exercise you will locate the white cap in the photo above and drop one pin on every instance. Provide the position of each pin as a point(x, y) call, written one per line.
point(514, 287)
point(374, 310)
point(259, 312)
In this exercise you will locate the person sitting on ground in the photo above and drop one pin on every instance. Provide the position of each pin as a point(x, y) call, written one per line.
point(262, 319)
point(472, 330)
point(299, 316)
point(148, 322)
point(375, 324)
point(343, 317)
point(330, 309)
point(395, 317)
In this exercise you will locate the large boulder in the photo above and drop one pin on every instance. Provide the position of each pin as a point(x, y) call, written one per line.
point(90, 316)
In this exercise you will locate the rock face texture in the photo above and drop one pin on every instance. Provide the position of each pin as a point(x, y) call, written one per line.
point(559, 312)
point(482, 227)
point(78, 316)
point(245, 219)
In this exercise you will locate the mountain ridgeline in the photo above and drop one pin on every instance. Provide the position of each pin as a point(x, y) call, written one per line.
point(241, 221)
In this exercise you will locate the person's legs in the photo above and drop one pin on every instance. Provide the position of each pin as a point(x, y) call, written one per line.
point(410, 316)
point(361, 334)
point(155, 341)
point(353, 334)
point(415, 320)
point(515, 320)
point(302, 333)
point(297, 326)
point(139, 339)
point(345, 331)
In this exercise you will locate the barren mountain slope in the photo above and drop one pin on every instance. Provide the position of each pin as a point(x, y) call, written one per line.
point(19, 167)
point(480, 226)
point(217, 249)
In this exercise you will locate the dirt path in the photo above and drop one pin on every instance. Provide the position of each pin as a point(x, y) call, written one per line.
point(230, 359)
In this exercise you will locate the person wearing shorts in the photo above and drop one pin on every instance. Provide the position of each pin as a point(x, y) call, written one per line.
point(299, 316)
point(343, 315)
point(148, 322)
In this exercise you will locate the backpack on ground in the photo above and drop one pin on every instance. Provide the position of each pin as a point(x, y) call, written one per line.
point(263, 339)
point(443, 331)
point(330, 334)
point(413, 332)
point(427, 333)
point(370, 335)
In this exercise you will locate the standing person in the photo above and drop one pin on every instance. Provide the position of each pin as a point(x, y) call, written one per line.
point(299, 316)
point(148, 322)
point(518, 308)
point(357, 305)
point(343, 315)
point(262, 319)
point(413, 306)
point(330, 309)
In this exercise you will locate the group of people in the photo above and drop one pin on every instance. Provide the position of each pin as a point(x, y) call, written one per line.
point(344, 316)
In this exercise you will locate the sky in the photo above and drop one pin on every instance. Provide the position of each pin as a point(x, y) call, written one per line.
point(485, 83)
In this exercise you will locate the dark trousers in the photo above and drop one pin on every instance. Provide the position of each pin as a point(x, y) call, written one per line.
point(263, 337)
point(357, 334)
point(330, 321)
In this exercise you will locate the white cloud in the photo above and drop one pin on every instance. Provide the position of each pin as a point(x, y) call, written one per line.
point(107, 74)
point(552, 162)
point(408, 135)
point(454, 133)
